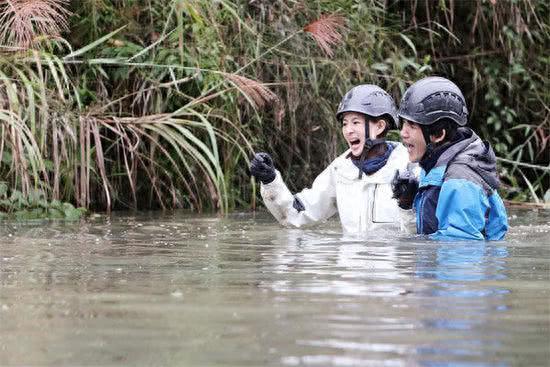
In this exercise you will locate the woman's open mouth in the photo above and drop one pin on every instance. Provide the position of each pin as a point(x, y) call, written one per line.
point(354, 143)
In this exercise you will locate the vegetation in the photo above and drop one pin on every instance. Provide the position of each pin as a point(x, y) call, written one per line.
point(35, 205)
point(155, 104)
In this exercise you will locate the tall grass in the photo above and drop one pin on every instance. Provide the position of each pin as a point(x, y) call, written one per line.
point(160, 104)
point(498, 52)
point(54, 144)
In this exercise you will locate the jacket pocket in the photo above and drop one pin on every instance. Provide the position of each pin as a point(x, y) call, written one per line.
point(384, 209)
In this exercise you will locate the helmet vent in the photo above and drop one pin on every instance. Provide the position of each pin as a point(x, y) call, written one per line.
point(431, 99)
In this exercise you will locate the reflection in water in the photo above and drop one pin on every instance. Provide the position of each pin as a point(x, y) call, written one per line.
point(338, 265)
point(463, 261)
point(205, 290)
point(462, 299)
point(451, 264)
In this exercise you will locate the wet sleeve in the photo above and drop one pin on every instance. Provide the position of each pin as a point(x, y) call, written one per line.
point(460, 211)
point(497, 225)
point(319, 201)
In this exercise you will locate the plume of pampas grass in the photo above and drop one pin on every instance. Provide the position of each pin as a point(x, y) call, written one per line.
point(326, 31)
point(258, 93)
point(21, 21)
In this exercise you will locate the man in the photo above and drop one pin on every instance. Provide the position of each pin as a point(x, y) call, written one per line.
point(357, 184)
point(457, 194)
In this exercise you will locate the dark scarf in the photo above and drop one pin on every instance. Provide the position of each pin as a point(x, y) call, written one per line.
point(370, 166)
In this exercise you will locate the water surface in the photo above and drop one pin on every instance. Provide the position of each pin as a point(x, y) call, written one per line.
point(188, 290)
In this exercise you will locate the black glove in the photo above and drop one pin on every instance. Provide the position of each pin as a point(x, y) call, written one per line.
point(404, 186)
point(262, 168)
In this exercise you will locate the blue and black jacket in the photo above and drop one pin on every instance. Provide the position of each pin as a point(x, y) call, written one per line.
point(457, 196)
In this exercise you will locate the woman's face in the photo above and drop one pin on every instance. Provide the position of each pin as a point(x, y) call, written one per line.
point(353, 129)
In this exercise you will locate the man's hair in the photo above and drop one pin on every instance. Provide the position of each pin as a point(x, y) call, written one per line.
point(436, 129)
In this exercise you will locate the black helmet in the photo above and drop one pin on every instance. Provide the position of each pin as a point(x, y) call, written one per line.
point(431, 99)
point(369, 100)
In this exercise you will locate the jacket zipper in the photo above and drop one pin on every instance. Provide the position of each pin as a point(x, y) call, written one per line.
point(373, 204)
point(420, 228)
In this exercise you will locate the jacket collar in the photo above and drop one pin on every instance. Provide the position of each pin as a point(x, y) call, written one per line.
point(397, 160)
point(470, 151)
point(441, 155)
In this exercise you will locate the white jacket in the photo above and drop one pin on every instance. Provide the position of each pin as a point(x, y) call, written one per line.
point(364, 204)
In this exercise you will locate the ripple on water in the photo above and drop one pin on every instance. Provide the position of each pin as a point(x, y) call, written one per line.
point(241, 290)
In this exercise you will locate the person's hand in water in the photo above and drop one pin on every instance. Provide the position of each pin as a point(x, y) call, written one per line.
point(261, 167)
point(404, 186)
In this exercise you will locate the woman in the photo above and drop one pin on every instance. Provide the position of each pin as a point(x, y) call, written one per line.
point(357, 184)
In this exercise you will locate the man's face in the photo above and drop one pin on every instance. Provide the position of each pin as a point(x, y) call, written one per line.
point(353, 129)
point(413, 140)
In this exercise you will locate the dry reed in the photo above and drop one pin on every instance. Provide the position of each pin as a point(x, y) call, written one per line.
point(23, 21)
point(326, 31)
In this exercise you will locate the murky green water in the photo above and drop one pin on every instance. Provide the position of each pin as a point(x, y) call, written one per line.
point(182, 290)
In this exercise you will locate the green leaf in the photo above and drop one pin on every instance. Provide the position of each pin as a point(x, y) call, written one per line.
point(3, 190)
point(6, 158)
point(92, 45)
point(72, 214)
point(409, 42)
point(380, 66)
point(55, 213)
point(56, 204)
point(6, 206)
point(22, 215)
point(68, 209)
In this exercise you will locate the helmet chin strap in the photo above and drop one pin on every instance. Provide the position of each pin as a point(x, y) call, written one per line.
point(426, 135)
point(369, 144)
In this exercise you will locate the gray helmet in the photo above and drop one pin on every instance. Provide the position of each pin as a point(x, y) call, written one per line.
point(369, 100)
point(431, 99)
